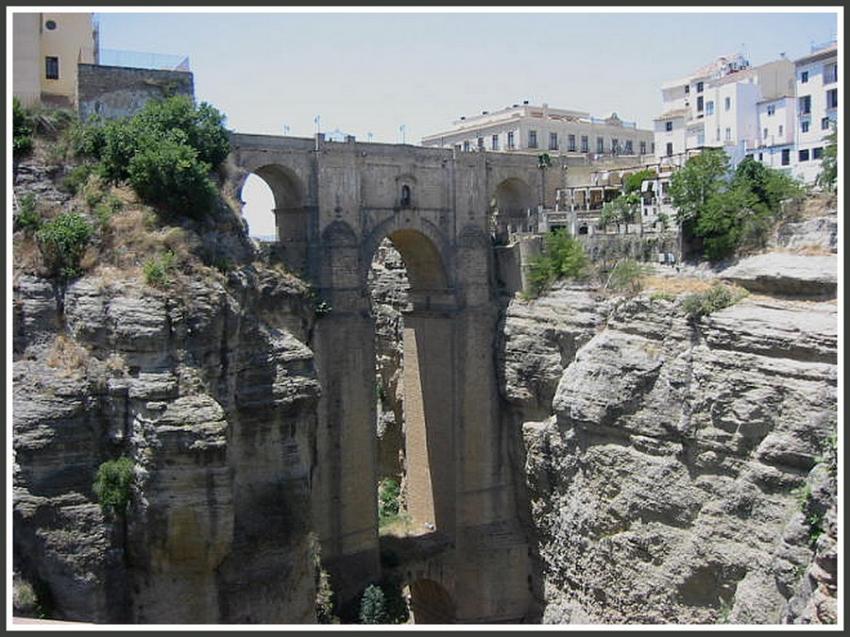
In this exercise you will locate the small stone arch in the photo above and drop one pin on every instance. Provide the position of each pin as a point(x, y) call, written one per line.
point(431, 603)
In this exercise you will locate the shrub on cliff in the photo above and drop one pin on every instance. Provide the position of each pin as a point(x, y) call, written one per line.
point(563, 257)
point(628, 276)
point(166, 151)
point(389, 505)
point(829, 164)
point(716, 298)
point(112, 484)
point(62, 242)
point(22, 128)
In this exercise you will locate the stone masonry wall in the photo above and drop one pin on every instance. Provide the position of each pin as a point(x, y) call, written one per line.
point(113, 91)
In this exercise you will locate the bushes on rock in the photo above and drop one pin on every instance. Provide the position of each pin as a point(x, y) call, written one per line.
point(62, 242)
point(829, 164)
point(166, 151)
point(389, 501)
point(716, 298)
point(112, 484)
point(28, 219)
point(563, 257)
point(157, 270)
point(383, 604)
point(22, 128)
point(627, 276)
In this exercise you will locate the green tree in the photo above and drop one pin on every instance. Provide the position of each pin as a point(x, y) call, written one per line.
point(697, 181)
point(112, 484)
point(829, 163)
point(373, 606)
point(389, 504)
point(623, 209)
point(633, 182)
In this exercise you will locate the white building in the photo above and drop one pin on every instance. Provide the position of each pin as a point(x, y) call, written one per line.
point(716, 106)
point(528, 128)
point(776, 121)
point(816, 108)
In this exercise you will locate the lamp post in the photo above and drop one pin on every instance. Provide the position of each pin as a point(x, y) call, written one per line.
point(401, 129)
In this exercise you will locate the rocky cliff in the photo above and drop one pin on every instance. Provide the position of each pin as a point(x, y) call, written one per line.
point(668, 459)
point(208, 387)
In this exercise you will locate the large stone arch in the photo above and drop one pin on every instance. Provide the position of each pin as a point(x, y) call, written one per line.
point(293, 203)
point(426, 252)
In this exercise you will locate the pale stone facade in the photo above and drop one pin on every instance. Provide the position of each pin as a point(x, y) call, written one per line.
point(527, 128)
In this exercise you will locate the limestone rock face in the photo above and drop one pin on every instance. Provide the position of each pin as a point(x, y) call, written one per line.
point(389, 286)
point(786, 274)
point(210, 389)
point(819, 232)
point(665, 481)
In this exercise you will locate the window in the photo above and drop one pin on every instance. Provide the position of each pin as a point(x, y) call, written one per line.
point(553, 141)
point(780, 130)
point(629, 147)
point(805, 103)
point(824, 123)
point(717, 135)
point(532, 139)
point(668, 126)
point(585, 144)
point(830, 73)
point(761, 156)
point(699, 87)
point(709, 108)
point(804, 77)
point(480, 143)
point(817, 153)
point(51, 70)
point(466, 147)
point(405, 196)
point(804, 126)
point(600, 145)
point(643, 148)
point(786, 156)
point(669, 149)
point(494, 142)
point(727, 103)
point(687, 89)
point(771, 109)
point(700, 104)
point(615, 145)
point(652, 146)
point(510, 140)
point(832, 98)
point(571, 143)
point(50, 25)
point(804, 155)
point(728, 134)
point(764, 134)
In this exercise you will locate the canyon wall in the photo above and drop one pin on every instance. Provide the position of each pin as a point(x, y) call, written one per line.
point(668, 460)
point(210, 389)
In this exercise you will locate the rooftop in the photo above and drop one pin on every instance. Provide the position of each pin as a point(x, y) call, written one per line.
point(818, 52)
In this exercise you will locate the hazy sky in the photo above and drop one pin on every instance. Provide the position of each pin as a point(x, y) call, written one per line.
point(365, 73)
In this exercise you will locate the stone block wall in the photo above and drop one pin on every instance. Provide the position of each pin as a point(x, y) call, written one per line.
point(114, 91)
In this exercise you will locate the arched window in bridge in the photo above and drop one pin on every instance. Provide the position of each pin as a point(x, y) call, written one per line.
point(405, 196)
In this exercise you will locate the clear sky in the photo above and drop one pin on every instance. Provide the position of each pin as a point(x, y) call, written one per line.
point(371, 73)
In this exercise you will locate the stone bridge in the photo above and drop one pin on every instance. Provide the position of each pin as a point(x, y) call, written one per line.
point(334, 204)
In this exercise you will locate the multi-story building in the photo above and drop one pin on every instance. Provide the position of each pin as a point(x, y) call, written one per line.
point(716, 106)
point(776, 119)
point(816, 108)
point(47, 49)
point(535, 129)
